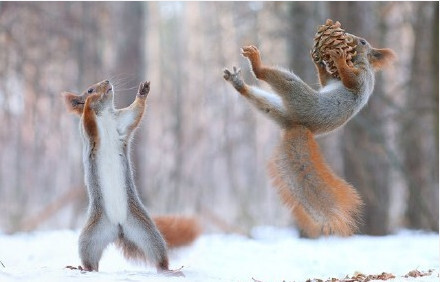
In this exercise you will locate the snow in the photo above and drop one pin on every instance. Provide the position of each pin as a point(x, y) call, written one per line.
point(272, 254)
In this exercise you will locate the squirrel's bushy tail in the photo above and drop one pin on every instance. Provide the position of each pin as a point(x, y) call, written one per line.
point(321, 202)
point(177, 230)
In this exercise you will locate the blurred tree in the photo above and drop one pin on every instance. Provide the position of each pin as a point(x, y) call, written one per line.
point(304, 19)
point(127, 48)
point(366, 164)
point(201, 148)
point(419, 123)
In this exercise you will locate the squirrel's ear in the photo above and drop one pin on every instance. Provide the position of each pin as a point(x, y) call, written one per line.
point(381, 58)
point(74, 103)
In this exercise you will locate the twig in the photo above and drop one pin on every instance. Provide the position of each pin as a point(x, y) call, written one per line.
point(221, 223)
point(2, 264)
point(52, 208)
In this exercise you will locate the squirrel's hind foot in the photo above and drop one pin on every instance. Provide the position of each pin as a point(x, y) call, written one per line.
point(80, 268)
point(172, 273)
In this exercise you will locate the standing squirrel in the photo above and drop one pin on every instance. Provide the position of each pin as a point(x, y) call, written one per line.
point(115, 212)
point(321, 202)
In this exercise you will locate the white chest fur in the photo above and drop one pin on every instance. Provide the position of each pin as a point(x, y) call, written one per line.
point(110, 169)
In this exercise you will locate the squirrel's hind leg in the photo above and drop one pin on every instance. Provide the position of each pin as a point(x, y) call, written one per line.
point(145, 240)
point(94, 238)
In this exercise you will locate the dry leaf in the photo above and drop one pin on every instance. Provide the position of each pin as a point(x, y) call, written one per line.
point(415, 273)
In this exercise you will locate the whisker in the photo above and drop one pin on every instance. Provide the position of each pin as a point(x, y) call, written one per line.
point(122, 78)
point(126, 89)
point(124, 82)
point(121, 81)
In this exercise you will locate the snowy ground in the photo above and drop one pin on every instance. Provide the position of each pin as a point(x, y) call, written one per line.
point(272, 255)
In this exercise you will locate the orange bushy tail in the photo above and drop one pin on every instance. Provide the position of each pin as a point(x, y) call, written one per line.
point(177, 230)
point(321, 202)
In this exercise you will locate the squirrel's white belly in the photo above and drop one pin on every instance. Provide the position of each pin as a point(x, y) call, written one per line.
point(111, 171)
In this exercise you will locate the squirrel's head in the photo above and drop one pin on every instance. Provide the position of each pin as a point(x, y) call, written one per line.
point(377, 58)
point(103, 91)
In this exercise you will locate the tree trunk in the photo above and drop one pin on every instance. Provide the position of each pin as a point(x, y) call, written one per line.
point(421, 165)
point(366, 164)
point(127, 20)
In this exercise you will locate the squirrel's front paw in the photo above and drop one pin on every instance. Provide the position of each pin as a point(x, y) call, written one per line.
point(234, 78)
point(144, 89)
point(336, 54)
point(253, 55)
point(231, 76)
point(250, 52)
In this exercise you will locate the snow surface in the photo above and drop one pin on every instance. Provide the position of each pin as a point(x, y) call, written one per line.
point(272, 254)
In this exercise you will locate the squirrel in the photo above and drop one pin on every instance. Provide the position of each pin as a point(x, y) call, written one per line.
point(115, 212)
point(321, 202)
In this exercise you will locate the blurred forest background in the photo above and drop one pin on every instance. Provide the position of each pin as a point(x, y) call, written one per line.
point(201, 148)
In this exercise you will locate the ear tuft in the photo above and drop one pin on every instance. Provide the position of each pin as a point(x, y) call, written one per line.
point(73, 102)
point(382, 58)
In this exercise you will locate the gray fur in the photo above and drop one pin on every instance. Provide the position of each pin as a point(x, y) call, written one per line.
point(320, 111)
point(305, 182)
point(138, 230)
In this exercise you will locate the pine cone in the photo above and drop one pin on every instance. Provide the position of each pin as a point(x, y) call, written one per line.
point(329, 37)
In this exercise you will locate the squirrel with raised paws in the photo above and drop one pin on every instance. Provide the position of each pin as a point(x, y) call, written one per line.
point(321, 202)
point(115, 212)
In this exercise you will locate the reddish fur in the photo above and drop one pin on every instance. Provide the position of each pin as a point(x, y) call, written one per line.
point(177, 231)
point(130, 250)
point(74, 103)
point(244, 90)
point(306, 222)
point(139, 104)
point(335, 203)
point(387, 57)
point(138, 213)
point(303, 220)
point(322, 203)
point(349, 75)
point(252, 53)
point(378, 59)
point(89, 121)
point(323, 75)
point(92, 221)
point(85, 106)
point(346, 198)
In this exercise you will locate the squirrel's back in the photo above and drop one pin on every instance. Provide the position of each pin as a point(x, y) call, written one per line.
point(321, 202)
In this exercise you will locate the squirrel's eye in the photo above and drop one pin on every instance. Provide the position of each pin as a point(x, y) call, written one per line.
point(363, 42)
point(90, 90)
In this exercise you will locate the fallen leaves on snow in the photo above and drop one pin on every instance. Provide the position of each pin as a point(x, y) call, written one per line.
point(415, 273)
point(360, 277)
